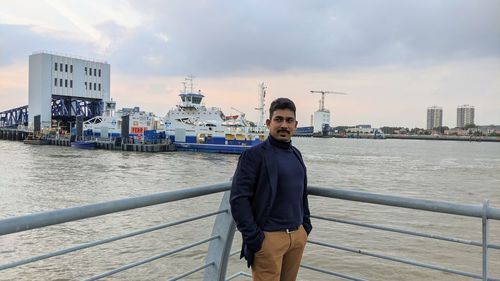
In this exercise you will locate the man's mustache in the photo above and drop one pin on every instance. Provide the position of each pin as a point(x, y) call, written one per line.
point(283, 130)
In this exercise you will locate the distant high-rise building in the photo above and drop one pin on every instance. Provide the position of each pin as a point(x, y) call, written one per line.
point(434, 117)
point(465, 115)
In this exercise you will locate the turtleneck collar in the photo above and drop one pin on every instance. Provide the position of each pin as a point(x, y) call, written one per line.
point(277, 143)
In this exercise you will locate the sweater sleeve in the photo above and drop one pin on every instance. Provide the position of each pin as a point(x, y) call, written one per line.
point(242, 194)
point(307, 215)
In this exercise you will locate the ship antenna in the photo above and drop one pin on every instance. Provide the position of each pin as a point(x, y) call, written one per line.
point(190, 79)
point(184, 87)
point(191, 86)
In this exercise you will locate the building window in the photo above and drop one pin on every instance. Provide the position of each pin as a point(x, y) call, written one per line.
point(99, 87)
point(90, 71)
point(95, 72)
point(95, 86)
point(60, 67)
point(85, 70)
point(60, 82)
point(55, 66)
point(71, 83)
point(85, 85)
point(66, 83)
point(99, 73)
point(66, 68)
point(55, 81)
point(71, 68)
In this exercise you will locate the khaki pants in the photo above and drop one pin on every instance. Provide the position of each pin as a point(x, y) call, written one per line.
point(280, 255)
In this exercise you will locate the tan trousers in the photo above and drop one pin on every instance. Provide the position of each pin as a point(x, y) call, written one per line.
point(280, 255)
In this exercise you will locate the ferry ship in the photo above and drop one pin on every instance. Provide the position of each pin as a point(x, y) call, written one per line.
point(109, 125)
point(191, 126)
point(194, 127)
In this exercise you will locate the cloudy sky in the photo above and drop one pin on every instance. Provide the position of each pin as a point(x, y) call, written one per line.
point(393, 58)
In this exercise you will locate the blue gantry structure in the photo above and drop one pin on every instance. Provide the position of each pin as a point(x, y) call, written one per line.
point(14, 117)
point(70, 107)
point(62, 108)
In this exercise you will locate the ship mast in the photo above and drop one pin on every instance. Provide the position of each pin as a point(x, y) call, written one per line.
point(260, 108)
point(189, 80)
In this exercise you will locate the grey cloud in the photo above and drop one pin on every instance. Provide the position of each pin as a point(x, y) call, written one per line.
point(219, 37)
point(17, 42)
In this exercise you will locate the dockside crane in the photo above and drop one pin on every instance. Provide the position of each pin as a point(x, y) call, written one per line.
point(322, 101)
point(242, 114)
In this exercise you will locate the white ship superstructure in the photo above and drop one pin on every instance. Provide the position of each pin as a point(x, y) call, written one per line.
point(110, 124)
point(191, 122)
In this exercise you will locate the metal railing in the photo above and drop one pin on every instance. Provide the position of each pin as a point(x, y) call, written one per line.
point(484, 211)
point(221, 238)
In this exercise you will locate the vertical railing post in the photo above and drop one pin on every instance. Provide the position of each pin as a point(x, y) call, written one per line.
point(218, 250)
point(485, 240)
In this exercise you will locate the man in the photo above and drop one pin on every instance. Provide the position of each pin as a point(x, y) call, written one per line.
point(269, 200)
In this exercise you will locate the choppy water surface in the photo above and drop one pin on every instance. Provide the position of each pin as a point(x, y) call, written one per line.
point(41, 178)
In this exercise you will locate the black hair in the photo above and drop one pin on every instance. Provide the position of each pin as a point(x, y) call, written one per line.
point(281, 103)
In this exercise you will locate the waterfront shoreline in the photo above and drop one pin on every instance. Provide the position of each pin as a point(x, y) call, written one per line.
point(444, 138)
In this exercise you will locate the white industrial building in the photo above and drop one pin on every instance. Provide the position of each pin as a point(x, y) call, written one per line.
point(320, 119)
point(53, 76)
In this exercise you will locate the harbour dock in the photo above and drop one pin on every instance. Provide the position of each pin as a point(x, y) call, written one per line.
point(106, 144)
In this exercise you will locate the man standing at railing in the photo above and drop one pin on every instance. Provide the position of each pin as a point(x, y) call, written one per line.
point(269, 199)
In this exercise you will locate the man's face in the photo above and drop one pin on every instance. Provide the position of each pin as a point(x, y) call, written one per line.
point(282, 125)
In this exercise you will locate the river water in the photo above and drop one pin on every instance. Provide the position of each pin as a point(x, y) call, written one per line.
point(42, 178)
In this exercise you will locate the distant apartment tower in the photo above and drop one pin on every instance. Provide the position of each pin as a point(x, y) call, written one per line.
point(53, 76)
point(434, 117)
point(465, 115)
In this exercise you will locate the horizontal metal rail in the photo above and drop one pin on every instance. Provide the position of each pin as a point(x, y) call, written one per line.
point(104, 241)
point(238, 274)
point(310, 267)
point(405, 261)
point(405, 202)
point(409, 232)
point(23, 223)
point(178, 277)
point(484, 211)
point(131, 265)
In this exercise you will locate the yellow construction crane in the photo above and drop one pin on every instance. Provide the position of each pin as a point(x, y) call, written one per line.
point(322, 101)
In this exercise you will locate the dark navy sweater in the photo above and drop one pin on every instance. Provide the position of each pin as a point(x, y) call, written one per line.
point(288, 209)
